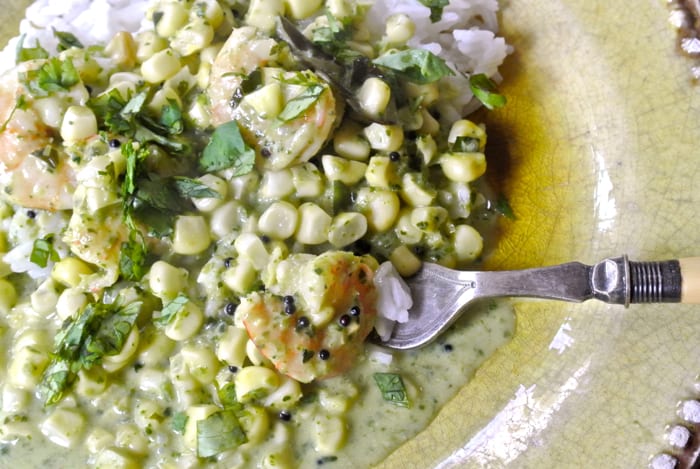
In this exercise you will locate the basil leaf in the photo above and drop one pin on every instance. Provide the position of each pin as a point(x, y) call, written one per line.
point(66, 40)
point(484, 90)
point(436, 7)
point(179, 422)
point(43, 251)
point(193, 189)
point(416, 65)
point(57, 377)
point(219, 432)
point(227, 149)
point(171, 309)
point(55, 75)
point(392, 388)
point(296, 106)
point(23, 54)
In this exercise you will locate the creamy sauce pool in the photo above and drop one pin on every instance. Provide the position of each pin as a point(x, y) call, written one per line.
point(433, 375)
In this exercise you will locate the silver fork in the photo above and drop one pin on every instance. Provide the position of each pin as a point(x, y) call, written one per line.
point(440, 295)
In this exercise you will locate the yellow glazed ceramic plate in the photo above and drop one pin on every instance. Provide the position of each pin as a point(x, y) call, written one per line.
point(597, 152)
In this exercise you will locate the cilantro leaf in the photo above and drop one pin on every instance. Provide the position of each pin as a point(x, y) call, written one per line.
point(179, 422)
point(66, 40)
point(392, 388)
point(296, 106)
point(55, 75)
point(23, 54)
point(171, 117)
point(193, 189)
point(415, 65)
point(219, 432)
point(227, 149)
point(502, 206)
point(484, 90)
point(132, 256)
point(43, 251)
point(436, 7)
point(171, 309)
point(99, 329)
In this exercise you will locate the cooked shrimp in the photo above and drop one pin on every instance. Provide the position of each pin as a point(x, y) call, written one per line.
point(338, 282)
point(26, 178)
point(278, 143)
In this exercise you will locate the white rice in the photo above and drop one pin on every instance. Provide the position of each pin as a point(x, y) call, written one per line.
point(91, 21)
point(465, 37)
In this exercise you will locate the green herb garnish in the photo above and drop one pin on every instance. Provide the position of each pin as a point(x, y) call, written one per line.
point(436, 7)
point(219, 432)
point(43, 251)
point(227, 149)
point(179, 422)
point(299, 104)
point(484, 89)
point(416, 65)
point(54, 76)
point(502, 206)
point(23, 54)
point(171, 309)
point(97, 331)
point(66, 40)
point(392, 388)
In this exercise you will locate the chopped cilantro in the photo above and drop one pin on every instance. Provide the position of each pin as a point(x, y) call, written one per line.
point(193, 189)
point(392, 388)
point(227, 149)
point(66, 40)
point(132, 257)
point(179, 422)
point(24, 54)
point(436, 7)
point(171, 309)
point(502, 206)
point(171, 117)
point(55, 75)
point(219, 432)
point(99, 330)
point(415, 65)
point(484, 90)
point(43, 251)
point(299, 104)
